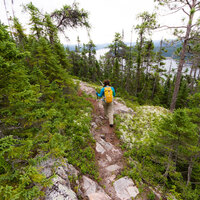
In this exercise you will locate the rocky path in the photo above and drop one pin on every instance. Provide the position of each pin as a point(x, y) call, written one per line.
point(109, 160)
point(109, 156)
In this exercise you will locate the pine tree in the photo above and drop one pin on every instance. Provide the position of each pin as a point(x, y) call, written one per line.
point(148, 23)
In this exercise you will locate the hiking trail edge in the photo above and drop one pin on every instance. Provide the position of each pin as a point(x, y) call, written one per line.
point(109, 156)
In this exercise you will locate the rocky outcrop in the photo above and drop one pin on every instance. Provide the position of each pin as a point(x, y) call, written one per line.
point(108, 154)
point(92, 190)
point(61, 188)
point(125, 188)
point(109, 159)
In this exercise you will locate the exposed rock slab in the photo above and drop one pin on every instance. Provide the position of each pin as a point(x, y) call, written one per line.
point(109, 155)
point(61, 189)
point(113, 168)
point(88, 90)
point(125, 188)
point(108, 146)
point(99, 148)
point(121, 108)
point(92, 189)
point(98, 196)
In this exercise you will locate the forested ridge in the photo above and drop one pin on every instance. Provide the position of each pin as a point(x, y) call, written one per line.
point(170, 47)
point(43, 113)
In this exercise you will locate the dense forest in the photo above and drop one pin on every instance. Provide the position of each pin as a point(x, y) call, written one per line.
point(170, 47)
point(41, 109)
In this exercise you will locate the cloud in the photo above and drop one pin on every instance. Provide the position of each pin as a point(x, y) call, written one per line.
point(106, 17)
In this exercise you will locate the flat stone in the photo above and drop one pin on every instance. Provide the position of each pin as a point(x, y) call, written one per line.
point(106, 145)
point(108, 158)
point(133, 191)
point(99, 148)
point(109, 147)
point(102, 163)
point(125, 188)
point(89, 186)
point(98, 196)
point(116, 151)
point(113, 168)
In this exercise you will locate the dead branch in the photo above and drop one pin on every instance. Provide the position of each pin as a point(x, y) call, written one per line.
point(177, 10)
point(169, 27)
point(188, 3)
point(185, 12)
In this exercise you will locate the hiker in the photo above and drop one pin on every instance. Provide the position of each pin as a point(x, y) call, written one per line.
point(108, 92)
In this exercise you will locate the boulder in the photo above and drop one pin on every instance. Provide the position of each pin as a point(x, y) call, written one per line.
point(92, 189)
point(98, 196)
point(125, 188)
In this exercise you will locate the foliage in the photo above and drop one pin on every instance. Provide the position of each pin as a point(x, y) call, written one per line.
point(162, 150)
point(41, 113)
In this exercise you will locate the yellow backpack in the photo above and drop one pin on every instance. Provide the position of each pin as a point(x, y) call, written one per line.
point(108, 94)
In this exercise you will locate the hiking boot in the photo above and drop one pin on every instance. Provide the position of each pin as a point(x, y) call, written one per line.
point(111, 125)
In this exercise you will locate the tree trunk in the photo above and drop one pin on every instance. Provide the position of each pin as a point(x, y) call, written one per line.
point(191, 70)
point(191, 163)
point(4, 1)
point(168, 165)
point(139, 64)
point(189, 171)
point(154, 87)
point(182, 59)
point(156, 77)
point(193, 79)
point(13, 8)
point(198, 74)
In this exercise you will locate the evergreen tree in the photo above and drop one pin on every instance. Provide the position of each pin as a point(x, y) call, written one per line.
point(148, 23)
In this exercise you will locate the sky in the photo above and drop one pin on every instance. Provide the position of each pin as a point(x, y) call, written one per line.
point(106, 17)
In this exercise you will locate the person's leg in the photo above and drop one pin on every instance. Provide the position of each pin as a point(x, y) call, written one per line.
point(105, 109)
point(110, 113)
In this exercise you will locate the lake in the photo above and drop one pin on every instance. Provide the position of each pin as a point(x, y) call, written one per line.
point(169, 62)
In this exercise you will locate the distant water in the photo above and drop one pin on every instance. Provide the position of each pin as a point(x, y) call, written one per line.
point(101, 52)
point(170, 63)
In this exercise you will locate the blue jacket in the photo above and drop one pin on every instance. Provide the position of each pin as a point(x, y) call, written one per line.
point(102, 92)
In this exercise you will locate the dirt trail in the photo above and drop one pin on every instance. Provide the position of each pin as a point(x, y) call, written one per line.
point(108, 153)
point(109, 156)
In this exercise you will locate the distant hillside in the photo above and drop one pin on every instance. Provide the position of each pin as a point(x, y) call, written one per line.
point(170, 48)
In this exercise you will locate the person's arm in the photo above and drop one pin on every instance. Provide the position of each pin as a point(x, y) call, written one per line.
point(101, 93)
point(113, 91)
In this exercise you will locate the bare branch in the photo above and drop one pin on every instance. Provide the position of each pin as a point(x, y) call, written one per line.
point(193, 25)
point(193, 38)
point(169, 27)
point(188, 3)
point(185, 12)
point(198, 9)
point(198, 3)
point(178, 9)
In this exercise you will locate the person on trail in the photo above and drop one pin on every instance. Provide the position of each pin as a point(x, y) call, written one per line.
point(108, 93)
